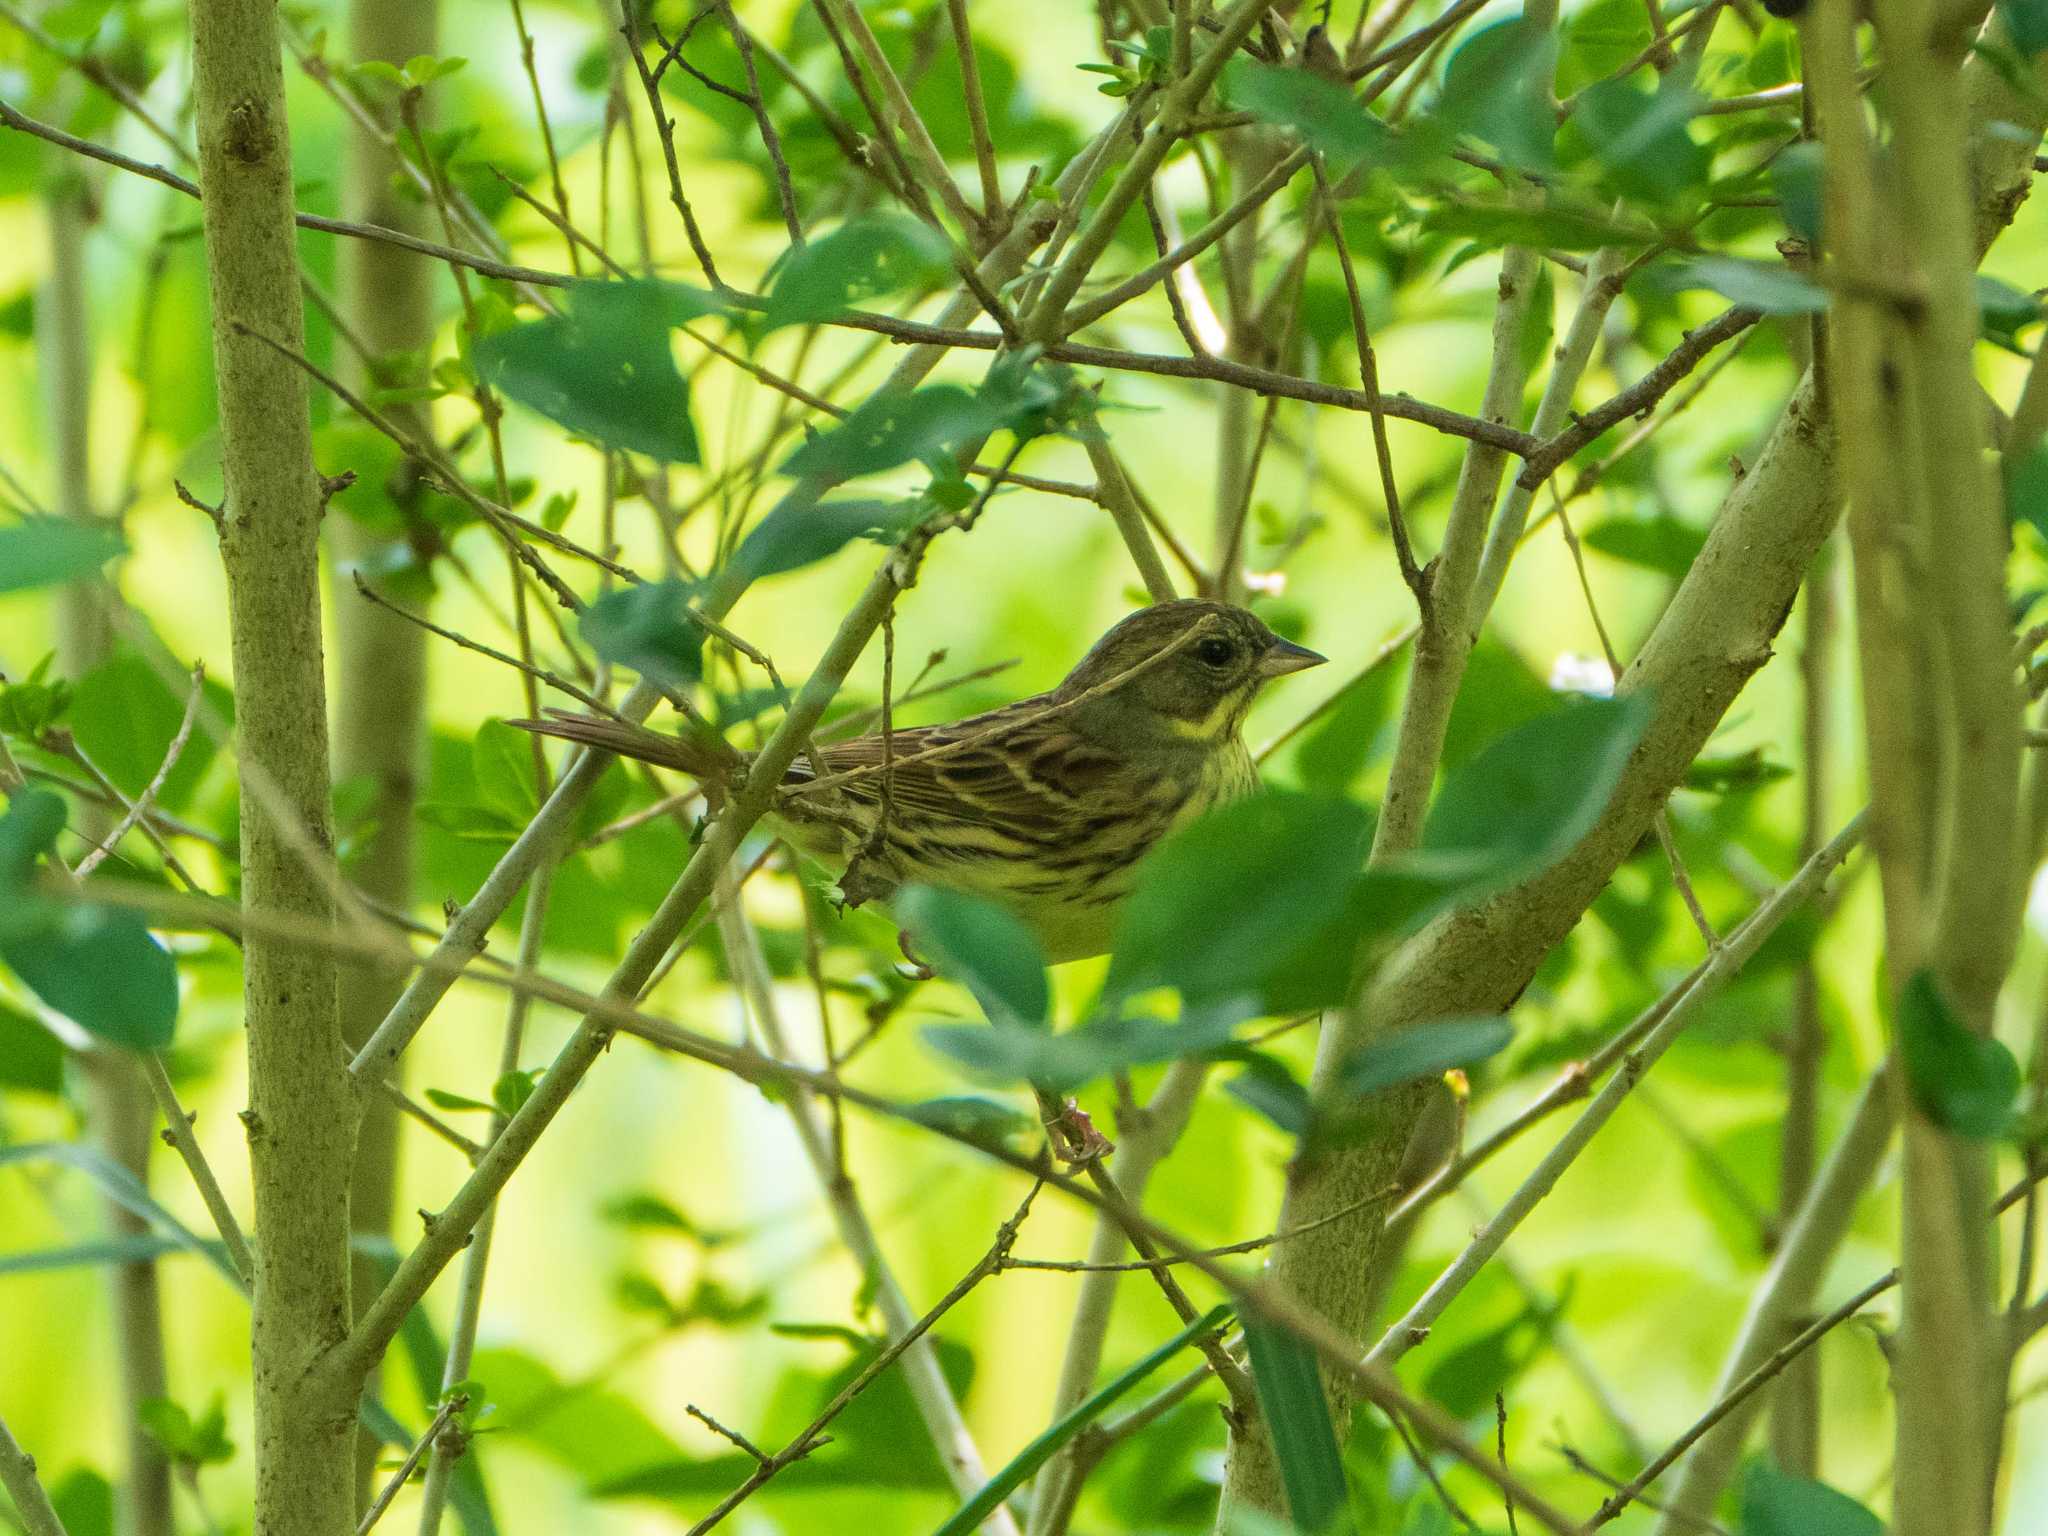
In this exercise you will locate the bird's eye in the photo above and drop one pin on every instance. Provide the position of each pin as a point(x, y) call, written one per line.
point(1215, 652)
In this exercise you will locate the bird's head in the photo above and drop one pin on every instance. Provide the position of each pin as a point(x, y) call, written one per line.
point(1180, 672)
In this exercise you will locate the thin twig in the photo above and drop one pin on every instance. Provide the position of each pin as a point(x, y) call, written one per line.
point(140, 806)
point(449, 1408)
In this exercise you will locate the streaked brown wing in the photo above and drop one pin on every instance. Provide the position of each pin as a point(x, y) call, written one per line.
point(1032, 780)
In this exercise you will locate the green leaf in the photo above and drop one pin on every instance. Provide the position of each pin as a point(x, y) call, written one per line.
point(1796, 179)
point(196, 1442)
point(1640, 138)
point(971, 1116)
point(603, 370)
point(502, 758)
point(1325, 113)
point(113, 1250)
point(47, 551)
point(125, 715)
point(895, 426)
point(2026, 489)
point(98, 966)
point(642, 1211)
point(1521, 804)
point(2026, 23)
point(1965, 1082)
point(123, 1189)
point(985, 948)
point(2005, 311)
point(1061, 1062)
point(1423, 1051)
point(1304, 1440)
point(30, 1057)
point(1218, 906)
point(1027, 1461)
point(1268, 1087)
point(1497, 88)
point(1775, 290)
point(863, 259)
point(441, 1098)
point(32, 705)
point(1661, 543)
point(1776, 1503)
point(802, 530)
point(1555, 223)
point(511, 1091)
point(648, 628)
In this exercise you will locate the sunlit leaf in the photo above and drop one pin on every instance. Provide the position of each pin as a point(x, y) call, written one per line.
point(648, 628)
point(1218, 905)
point(1964, 1082)
point(1298, 1417)
point(985, 948)
point(1529, 797)
point(603, 370)
point(46, 551)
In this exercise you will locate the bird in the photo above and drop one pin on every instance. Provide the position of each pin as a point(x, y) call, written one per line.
point(1043, 807)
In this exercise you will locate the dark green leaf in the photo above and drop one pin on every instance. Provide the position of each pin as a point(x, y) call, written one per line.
point(883, 254)
point(803, 530)
point(2026, 489)
point(897, 426)
point(1423, 1051)
point(1325, 113)
point(1497, 88)
point(1269, 1088)
point(1556, 224)
point(972, 1116)
point(1527, 799)
point(1219, 905)
point(2006, 311)
point(1775, 290)
point(1776, 1503)
point(648, 628)
point(1796, 179)
point(1061, 1062)
point(1640, 138)
point(1662, 543)
point(99, 966)
point(603, 370)
point(113, 1250)
point(985, 948)
point(1304, 1440)
point(1965, 1082)
point(2026, 23)
point(512, 1090)
point(30, 1057)
point(45, 551)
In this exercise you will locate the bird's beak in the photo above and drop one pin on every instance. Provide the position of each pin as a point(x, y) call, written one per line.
point(1284, 656)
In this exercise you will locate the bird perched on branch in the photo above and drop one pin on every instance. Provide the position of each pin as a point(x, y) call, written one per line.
point(1044, 806)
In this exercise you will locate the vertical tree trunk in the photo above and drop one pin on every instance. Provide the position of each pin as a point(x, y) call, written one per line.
point(381, 661)
point(120, 1110)
point(301, 1120)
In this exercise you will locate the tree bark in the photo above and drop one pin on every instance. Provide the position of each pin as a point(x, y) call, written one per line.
point(301, 1119)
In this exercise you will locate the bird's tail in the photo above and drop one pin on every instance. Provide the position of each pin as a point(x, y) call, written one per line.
point(637, 742)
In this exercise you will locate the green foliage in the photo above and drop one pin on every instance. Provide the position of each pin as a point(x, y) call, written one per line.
point(648, 628)
point(603, 370)
point(1963, 1081)
point(1497, 88)
point(1661, 542)
point(30, 707)
point(991, 953)
point(1640, 139)
point(1776, 1503)
point(1423, 1051)
point(1298, 1416)
point(47, 551)
point(31, 1060)
point(1776, 290)
point(97, 965)
point(197, 1442)
point(861, 260)
point(803, 530)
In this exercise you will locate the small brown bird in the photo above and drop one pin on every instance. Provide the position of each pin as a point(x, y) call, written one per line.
point(1043, 806)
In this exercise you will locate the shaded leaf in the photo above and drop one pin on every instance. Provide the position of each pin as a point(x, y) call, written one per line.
point(1641, 140)
point(1324, 112)
point(1776, 1503)
point(1268, 1087)
point(1662, 543)
point(886, 253)
point(1304, 1439)
point(1965, 1082)
point(1061, 1062)
point(1796, 179)
point(1497, 88)
point(985, 948)
point(802, 530)
point(1423, 1051)
point(648, 628)
point(1762, 285)
point(603, 370)
point(30, 1057)
point(972, 1116)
